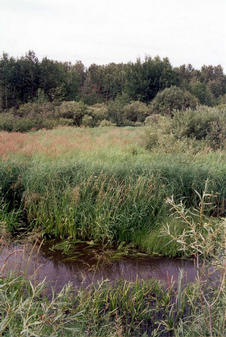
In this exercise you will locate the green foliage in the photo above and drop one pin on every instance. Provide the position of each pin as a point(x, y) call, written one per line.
point(152, 119)
point(142, 308)
point(98, 112)
point(24, 311)
point(124, 309)
point(170, 99)
point(215, 79)
point(203, 238)
point(72, 110)
point(98, 207)
point(201, 91)
point(188, 131)
point(159, 137)
point(19, 79)
point(10, 221)
point(105, 123)
point(103, 83)
point(50, 114)
point(30, 116)
point(34, 109)
point(115, 111)
point(145, 79)
point(203, 123)
point(26, 79)
point(87, 121)
point(9, 122)
point(222, 99)
point(114, 195)
point(134, 112)
point(40, 97)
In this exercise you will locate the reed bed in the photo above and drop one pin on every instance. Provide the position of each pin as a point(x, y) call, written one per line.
point(101, 185)
point(96, 197)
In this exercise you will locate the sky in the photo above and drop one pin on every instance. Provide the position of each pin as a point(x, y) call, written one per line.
point(104, 31)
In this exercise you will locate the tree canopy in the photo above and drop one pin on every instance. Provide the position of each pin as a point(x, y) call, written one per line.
point(28, 79)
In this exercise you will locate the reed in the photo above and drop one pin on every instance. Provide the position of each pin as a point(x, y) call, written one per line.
point(124, 309)
point(102, 185)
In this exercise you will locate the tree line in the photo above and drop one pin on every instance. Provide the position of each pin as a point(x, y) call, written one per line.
point(28, 79)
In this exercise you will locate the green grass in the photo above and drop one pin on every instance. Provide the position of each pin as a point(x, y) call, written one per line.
point(124, 309)
point(105, 188)
point(114, 194)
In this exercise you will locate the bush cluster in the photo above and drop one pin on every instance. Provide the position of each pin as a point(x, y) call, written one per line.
point(166, 101)
point(188, 129)
point(204, 123)
point(72, 113)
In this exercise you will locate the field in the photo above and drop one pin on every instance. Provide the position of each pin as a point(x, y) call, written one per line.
point(104, 185)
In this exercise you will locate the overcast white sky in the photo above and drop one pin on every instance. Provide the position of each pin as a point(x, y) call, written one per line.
point(104, 31)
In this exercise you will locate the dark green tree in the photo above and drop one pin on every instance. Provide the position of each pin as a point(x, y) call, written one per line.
point(201, 91)
point(145, 79)
point(215, 79)
point(186, 75)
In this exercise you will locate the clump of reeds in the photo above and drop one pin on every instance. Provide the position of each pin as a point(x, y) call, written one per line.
point(123, 309)
point(204, 239)
point(25, 312)
point(100, 185)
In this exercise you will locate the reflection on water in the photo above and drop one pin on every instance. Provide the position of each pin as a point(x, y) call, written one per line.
point(37, 265)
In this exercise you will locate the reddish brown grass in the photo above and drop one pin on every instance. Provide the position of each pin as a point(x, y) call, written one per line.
point(64, 140)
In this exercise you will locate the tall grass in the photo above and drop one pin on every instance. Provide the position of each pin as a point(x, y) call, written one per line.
point(101, 185)
point(205, 240)
point(126, 309)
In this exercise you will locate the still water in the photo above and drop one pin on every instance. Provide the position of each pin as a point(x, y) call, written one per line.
point(37, 264)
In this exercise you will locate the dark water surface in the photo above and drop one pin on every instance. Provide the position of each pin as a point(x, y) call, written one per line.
point(39, 264)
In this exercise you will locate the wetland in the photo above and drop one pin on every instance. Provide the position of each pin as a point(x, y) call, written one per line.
point(98, 235)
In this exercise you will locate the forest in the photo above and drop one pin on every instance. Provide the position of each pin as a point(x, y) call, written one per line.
point(45, 93)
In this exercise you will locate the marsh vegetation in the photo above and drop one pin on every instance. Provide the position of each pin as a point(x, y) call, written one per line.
point(101, 167)
point(112, 188)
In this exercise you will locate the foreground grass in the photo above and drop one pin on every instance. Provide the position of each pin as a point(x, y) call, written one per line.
point(123, 310)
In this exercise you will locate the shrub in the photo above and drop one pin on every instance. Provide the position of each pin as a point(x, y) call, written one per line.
point(170, 99)
point(34, 109)
point(10, 122)
point(222, 99)
point(188, 130)
point(105, 123)
point(115, 110)
point(24, 124)
point(204, 123)
point(98, 112)
point(65, 122)
point(30, 116)
point(72, 110)
point(135, 112)
point(6, 121)
point(158, 136)
point(87, 121)
point(152, 119)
